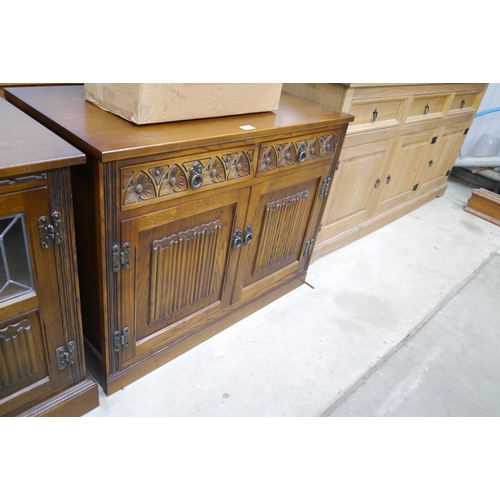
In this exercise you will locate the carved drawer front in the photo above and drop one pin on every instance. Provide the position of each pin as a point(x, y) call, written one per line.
point(153, 182)
point(464, 102)
point(428, 106)
point(376, 113)
point(293, 152)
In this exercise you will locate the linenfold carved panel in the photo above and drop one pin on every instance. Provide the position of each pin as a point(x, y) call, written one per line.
point(143, 183)
point(278, 244)
point(182, 269)
point(18, 360)
point(285, 154)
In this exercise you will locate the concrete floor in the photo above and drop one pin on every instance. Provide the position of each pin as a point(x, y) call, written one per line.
point(403, 322)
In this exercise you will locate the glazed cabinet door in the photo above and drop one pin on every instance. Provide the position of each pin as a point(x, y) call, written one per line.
point(183, 262)
point(33, 356)
point(283, 216)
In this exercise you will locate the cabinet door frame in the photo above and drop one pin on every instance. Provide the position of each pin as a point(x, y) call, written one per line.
point(41, 307)
point(314, 175)
point(165, 336)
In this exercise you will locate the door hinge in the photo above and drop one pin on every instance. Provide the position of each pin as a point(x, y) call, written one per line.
point(325, 187)
point(121, 339)
point(466, 131)
point(121, 257)
point(49, 229)
point(65, 358)
point(309, 247)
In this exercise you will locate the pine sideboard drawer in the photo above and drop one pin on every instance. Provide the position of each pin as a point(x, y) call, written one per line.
point(426, 107)
point(465, 102)
point(371, 114)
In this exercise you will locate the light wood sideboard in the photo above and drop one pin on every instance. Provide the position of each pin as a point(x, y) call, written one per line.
point(42, 364)
point(398, 151)
point(185, 228)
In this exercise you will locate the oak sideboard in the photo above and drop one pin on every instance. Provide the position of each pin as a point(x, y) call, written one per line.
point(184, 228)
point(42, 364)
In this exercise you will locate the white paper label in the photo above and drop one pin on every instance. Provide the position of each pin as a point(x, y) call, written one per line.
point(247, 127)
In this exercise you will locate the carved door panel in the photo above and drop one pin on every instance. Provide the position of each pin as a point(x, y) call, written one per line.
point(181, 260)
point(283, 215)
point(30, 321)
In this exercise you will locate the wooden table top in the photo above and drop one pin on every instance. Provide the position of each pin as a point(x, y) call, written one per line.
point(109, 137)
point(26, 146)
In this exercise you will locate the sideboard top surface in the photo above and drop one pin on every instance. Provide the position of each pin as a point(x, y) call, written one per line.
point(27, 146)
point(109, 137)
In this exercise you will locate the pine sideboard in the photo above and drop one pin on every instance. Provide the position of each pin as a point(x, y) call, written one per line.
point(185, 228)
point(42, 364)
point(398, 151)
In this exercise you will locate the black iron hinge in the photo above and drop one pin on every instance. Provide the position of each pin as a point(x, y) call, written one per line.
point(65, 357)
point(325, 187)
point(121, 339)
point(121, 257)
point(309, 247)
point(50, 230)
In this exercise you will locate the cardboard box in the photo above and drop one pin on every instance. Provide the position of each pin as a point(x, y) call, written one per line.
point(143, 103)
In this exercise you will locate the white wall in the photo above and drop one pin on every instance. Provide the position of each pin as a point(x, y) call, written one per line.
point(486, 124)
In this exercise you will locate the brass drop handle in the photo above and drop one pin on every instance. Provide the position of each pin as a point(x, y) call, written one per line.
point(237, 239)
point(302, 153)
point(195, 177)
point(426, 109)
point(247, 238)
point(389, 178)
point(377, 183)
point(375, 114)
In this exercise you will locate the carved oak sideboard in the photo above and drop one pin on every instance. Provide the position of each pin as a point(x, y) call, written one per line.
point(42, 367)
point(185, 228)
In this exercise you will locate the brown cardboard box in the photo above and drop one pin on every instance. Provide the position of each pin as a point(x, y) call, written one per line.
point(143, 103)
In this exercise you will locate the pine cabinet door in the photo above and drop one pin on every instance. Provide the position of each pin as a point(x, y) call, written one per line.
point(441, 156)
point(31, 330)
point(400, 177)
point(181, 260)
point(354, 186)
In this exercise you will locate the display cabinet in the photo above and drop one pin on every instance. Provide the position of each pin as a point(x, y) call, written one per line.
point(398, 152)
point(185, 228)
point(42, 367)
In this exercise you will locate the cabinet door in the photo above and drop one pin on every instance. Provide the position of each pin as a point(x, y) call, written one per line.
point(181, 260)
point(30, 319)
point(399, 179)
point(441, 156)
point(283, 215)
point(353, 186)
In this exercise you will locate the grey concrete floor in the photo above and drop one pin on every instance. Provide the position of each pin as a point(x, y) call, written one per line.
point(401, 322)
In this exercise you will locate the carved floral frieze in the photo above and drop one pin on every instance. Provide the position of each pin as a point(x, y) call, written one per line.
point(143, 184)
point(286, 154)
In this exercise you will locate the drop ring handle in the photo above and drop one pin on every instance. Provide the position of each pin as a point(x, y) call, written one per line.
point(195, 177)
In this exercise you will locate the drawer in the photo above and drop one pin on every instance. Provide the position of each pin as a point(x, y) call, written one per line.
point(156, 181)
point(297, 151)
point(371, 114)
point(427, 106)
point(464, 102)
